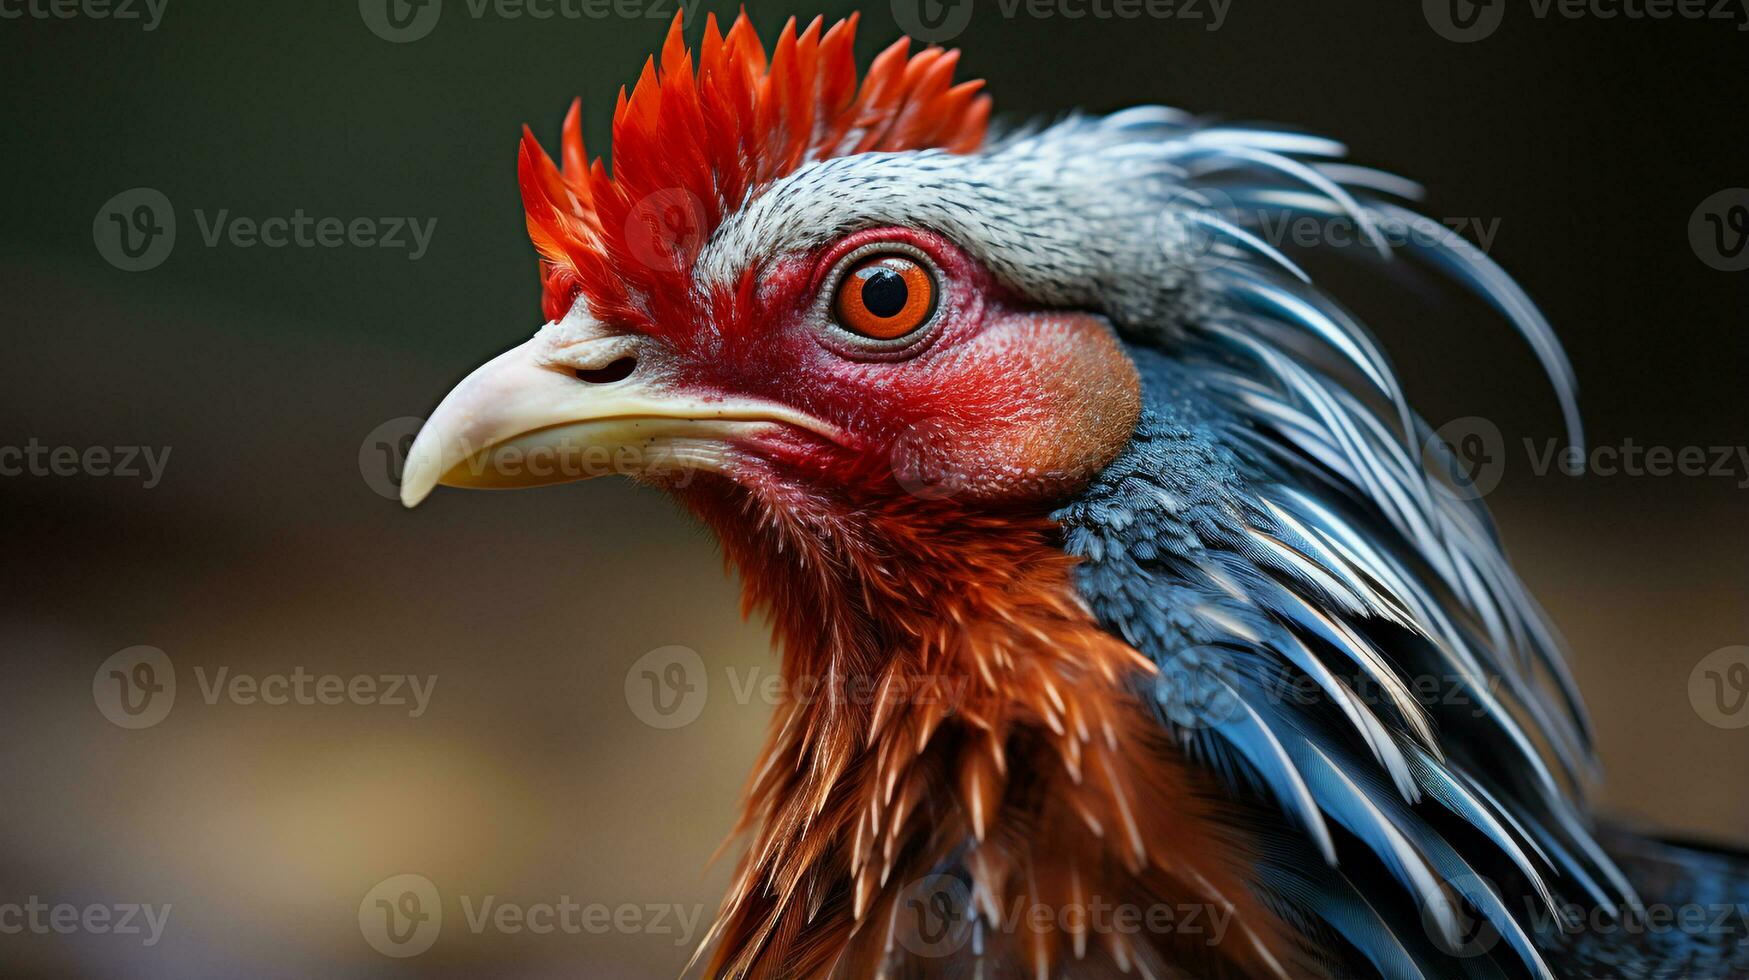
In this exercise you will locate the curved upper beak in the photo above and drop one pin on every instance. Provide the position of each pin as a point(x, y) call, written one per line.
point(534, 416)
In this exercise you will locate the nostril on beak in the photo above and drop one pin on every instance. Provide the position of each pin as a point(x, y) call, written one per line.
point(617, 370)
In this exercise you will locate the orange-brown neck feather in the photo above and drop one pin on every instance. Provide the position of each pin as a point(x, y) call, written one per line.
point(964, 711)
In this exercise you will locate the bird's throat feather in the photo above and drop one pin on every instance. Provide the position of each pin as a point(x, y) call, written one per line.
point(967, 714)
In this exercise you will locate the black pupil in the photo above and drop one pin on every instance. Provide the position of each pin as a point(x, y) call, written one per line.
point(884, 292)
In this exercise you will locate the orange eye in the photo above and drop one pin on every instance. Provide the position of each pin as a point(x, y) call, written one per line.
point(885, 297)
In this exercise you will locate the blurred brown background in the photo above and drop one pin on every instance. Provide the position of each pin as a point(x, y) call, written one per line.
point(267, 372)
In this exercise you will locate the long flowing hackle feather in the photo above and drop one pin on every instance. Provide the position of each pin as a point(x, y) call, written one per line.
point(1287, 523)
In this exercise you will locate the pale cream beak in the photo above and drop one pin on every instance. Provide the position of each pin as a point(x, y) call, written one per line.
point(532, 417)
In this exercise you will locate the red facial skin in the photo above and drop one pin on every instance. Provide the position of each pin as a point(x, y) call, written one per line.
point(1018, 402)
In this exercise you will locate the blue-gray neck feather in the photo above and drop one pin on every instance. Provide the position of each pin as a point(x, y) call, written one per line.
point(1338, 630)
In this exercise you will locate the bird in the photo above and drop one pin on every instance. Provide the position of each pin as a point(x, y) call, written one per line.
point(1158, 634)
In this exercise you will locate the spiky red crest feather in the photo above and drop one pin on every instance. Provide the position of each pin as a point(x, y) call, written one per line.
point(691, 147)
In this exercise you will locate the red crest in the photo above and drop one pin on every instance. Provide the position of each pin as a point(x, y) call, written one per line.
point(692, 146)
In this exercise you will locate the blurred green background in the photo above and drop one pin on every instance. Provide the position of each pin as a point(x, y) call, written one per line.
point(266, 372)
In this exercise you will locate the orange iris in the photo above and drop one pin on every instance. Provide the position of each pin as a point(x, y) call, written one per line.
point(885, 297)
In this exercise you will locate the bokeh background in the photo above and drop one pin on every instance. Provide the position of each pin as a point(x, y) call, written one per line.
point(268, 373)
